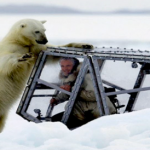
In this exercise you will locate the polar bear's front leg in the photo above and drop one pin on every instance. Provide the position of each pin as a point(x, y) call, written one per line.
point(9, 62)
point(79, 45)
point(26, 57)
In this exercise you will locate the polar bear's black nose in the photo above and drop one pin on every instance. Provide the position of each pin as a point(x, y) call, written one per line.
point(44, 41)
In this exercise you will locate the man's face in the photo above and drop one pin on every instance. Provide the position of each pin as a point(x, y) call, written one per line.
point(66, 67)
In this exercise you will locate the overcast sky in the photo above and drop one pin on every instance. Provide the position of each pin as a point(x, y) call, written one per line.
point(89, 5)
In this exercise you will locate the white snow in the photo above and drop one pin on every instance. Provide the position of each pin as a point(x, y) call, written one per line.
point(122, 131)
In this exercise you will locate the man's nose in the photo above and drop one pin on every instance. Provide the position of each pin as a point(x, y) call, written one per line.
point(66, 68)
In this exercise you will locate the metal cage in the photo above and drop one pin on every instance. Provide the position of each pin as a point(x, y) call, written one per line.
point(90, 64)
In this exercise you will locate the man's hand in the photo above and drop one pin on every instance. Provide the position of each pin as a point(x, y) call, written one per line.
point(66, 87)
point(53, 101)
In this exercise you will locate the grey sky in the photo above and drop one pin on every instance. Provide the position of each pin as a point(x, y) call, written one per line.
point(89, 5)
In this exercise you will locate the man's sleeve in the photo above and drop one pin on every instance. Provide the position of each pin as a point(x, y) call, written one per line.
point(62, 97)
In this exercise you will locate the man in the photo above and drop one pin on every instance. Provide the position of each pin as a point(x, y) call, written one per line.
point(67, 76)
point(85, 108)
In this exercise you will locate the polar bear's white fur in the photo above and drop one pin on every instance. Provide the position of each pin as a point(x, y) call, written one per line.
point(18, 52)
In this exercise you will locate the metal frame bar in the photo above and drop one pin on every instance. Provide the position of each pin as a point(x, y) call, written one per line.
point(50, 107)
point(32, 87)
point(36, 66)
point(94, 80)
point(138, 83)
point(53, 86)
point(53, 53)
point(123, 59)
point(75, 91)
point(113, 85)
point(135, 90)
point(107, 53)
point(100, 85)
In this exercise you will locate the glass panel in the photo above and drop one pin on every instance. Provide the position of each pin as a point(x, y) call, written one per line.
point(51, 69)
point(40, 100)
point(122, 99)
point(120, 73)
point(124, 75)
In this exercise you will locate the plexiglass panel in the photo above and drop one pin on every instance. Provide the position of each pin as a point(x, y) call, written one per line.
point(51, 69)
point(42, 103)
point(120, 73)
point(124, 75)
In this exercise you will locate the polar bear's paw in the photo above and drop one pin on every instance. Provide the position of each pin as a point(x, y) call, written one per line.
point(87, 46)
point(80, 45)
point(26, 57)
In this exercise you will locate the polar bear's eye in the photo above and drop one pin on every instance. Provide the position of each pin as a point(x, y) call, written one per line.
point(37, 31)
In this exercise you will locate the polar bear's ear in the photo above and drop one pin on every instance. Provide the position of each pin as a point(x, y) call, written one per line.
point(22, 25)
point(43, 21)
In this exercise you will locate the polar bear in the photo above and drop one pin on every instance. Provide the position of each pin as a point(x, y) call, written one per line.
point(19, 50)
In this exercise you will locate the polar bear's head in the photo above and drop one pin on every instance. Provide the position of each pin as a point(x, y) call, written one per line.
point(29, 32)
